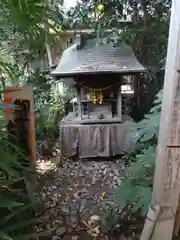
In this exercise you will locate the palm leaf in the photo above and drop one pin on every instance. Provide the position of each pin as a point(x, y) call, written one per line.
point(23, 24)
point(29, 17)
point(6, 202)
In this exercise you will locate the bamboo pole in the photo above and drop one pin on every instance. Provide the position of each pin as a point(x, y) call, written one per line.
point(166, 188)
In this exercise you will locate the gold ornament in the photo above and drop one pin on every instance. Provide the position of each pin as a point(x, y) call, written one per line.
point(94, 99)
point(100, 97)
point(96, 96)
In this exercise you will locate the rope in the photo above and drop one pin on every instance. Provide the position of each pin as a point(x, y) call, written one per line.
point(96, 89)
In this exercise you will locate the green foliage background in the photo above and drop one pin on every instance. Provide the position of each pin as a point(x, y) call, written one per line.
point(137, 187)
point(24, 28)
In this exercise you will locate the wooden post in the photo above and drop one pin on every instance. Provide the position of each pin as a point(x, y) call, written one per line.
point(119, 104)
point(79, 98)
point(177, 221)
point(22, 93)
point(166, 188)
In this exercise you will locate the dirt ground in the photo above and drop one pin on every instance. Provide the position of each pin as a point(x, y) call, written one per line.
point(77, 194)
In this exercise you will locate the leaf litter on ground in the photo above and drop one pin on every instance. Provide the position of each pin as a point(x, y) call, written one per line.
point(77, 193)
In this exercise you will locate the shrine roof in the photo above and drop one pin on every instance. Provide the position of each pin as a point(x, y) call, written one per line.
point(93, 58)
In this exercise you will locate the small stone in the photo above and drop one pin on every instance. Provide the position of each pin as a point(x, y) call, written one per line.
point(54, 154)
point(58, 151)
point(119, 181)
point(54, 187)
point(53, 205)
point(60, 231)
point(43, 195)
point(103, 166)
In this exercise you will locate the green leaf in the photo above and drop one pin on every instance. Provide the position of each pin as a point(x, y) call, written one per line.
point(6, 202)
point(14, 212)
point(21, 225)
point(145, 199)
point(4, 236)
point(124, 194)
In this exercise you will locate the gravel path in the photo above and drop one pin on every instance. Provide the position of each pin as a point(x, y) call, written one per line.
point(76, 194)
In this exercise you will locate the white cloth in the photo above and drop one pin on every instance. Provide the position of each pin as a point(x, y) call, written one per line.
point(96, 140)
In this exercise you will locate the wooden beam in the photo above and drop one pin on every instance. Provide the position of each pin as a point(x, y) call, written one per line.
point(119, 104)
point(166, 188)
point(79, 101)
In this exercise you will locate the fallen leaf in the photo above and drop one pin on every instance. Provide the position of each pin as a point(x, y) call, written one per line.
point(83, 204)
point(95, 218)
point(102, 196)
